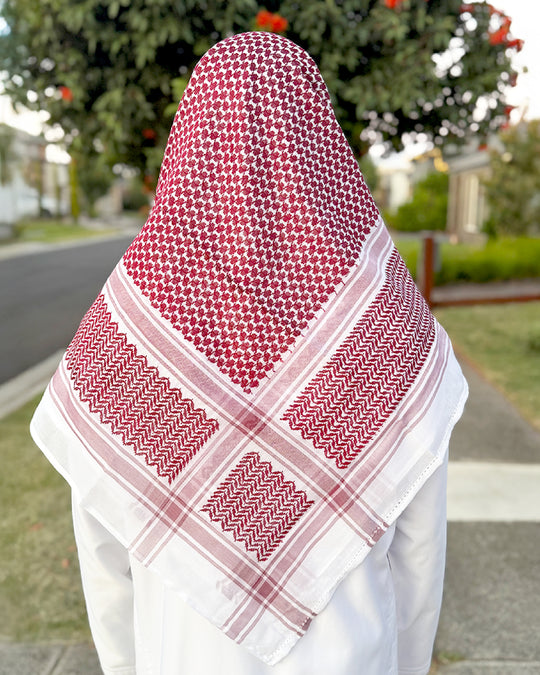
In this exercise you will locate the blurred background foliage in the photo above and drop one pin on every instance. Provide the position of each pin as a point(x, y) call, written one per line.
point(513, 189)
point(110, 72)
point(427, 208)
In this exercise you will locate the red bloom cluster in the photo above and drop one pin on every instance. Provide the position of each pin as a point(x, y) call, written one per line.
point(394, 4)
point(499, 36)
point(149, 134)
point(518, 44)
point(65, 93)
point(271, 22)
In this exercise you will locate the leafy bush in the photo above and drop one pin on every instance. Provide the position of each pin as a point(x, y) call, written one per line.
point(513, 190)
point(497, 260)
point(427, 208)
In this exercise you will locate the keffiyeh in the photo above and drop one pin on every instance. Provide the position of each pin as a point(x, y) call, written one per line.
point(259, 390)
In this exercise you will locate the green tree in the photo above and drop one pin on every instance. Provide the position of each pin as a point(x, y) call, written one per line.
point(95, 177)
point(108, 71)
point(427, 208)
point(513, 191)
point(7, 156)
point(369, 171)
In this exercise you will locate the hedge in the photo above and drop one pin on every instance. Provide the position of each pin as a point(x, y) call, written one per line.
point(497, 260)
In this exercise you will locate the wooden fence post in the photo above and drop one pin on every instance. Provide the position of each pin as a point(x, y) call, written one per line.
point(426, 271)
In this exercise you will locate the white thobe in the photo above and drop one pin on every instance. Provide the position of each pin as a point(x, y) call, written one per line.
point(381, 620)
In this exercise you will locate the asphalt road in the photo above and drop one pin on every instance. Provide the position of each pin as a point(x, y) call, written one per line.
point(44, 296)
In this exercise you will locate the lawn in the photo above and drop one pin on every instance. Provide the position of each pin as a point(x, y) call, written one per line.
point(40, 589)
point(51, 231)
point(504, 342)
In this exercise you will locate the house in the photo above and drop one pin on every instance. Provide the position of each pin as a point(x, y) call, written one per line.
point(467, 205)
point(30, 183)
point(394, 186)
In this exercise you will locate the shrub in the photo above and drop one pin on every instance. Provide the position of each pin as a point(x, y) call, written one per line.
point(497, 260)
point(427, 208)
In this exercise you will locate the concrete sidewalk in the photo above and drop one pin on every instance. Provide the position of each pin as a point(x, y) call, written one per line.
point(490, 614)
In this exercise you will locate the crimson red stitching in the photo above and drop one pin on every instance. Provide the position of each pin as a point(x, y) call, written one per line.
point(257, 505)
point(353, 395)
point(129, 395)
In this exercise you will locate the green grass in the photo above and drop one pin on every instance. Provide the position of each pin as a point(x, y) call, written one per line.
point(409, 249)
point(50, 231)
point(40, 589)
point(504, 342)
point(497, 260)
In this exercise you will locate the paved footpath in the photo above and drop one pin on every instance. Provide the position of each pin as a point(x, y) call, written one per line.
point(491, 614)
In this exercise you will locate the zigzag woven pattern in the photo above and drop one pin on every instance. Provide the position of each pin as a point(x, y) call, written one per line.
point(152, 418)
point(353, 395)
point(261, 209)
point(257, 505)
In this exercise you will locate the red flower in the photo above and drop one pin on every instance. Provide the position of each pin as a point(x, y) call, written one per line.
point(271, 22)
point(518, 44)
point(393, 4)
point(149, 134)
point(279, 23)
point(66, 93)
point(466, 8)
point(263, 19)
point(499, 36)
point(508, 109)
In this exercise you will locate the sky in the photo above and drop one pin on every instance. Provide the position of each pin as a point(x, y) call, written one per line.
point(525, 15)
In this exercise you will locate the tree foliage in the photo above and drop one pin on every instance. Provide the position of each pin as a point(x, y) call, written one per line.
point(427, 208)
point(109, 71)
point(7, 156)
point(513, 191)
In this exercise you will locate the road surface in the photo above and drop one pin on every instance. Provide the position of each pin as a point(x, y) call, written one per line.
point(43, 297)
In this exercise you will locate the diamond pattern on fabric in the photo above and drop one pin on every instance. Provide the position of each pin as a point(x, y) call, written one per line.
point(261, 209)
point(352, 396)
point(257, 505)
point(130, 396)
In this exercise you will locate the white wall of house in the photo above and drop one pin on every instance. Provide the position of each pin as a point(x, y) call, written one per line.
point(18, 198)
point(467, 204)
point(395, 186)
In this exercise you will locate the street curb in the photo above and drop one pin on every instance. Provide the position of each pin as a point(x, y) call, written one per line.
point(21, 389)
point(9, 251)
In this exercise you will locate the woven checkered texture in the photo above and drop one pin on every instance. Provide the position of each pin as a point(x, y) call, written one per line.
point(259, 388)
point(261, 209)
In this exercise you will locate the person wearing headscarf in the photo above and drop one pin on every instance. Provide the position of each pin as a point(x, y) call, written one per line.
point(254, 414)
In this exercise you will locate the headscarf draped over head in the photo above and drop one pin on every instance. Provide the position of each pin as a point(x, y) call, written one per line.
point(259, 390)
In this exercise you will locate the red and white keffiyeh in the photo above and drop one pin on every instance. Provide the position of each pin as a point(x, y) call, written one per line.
point(259, 390)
